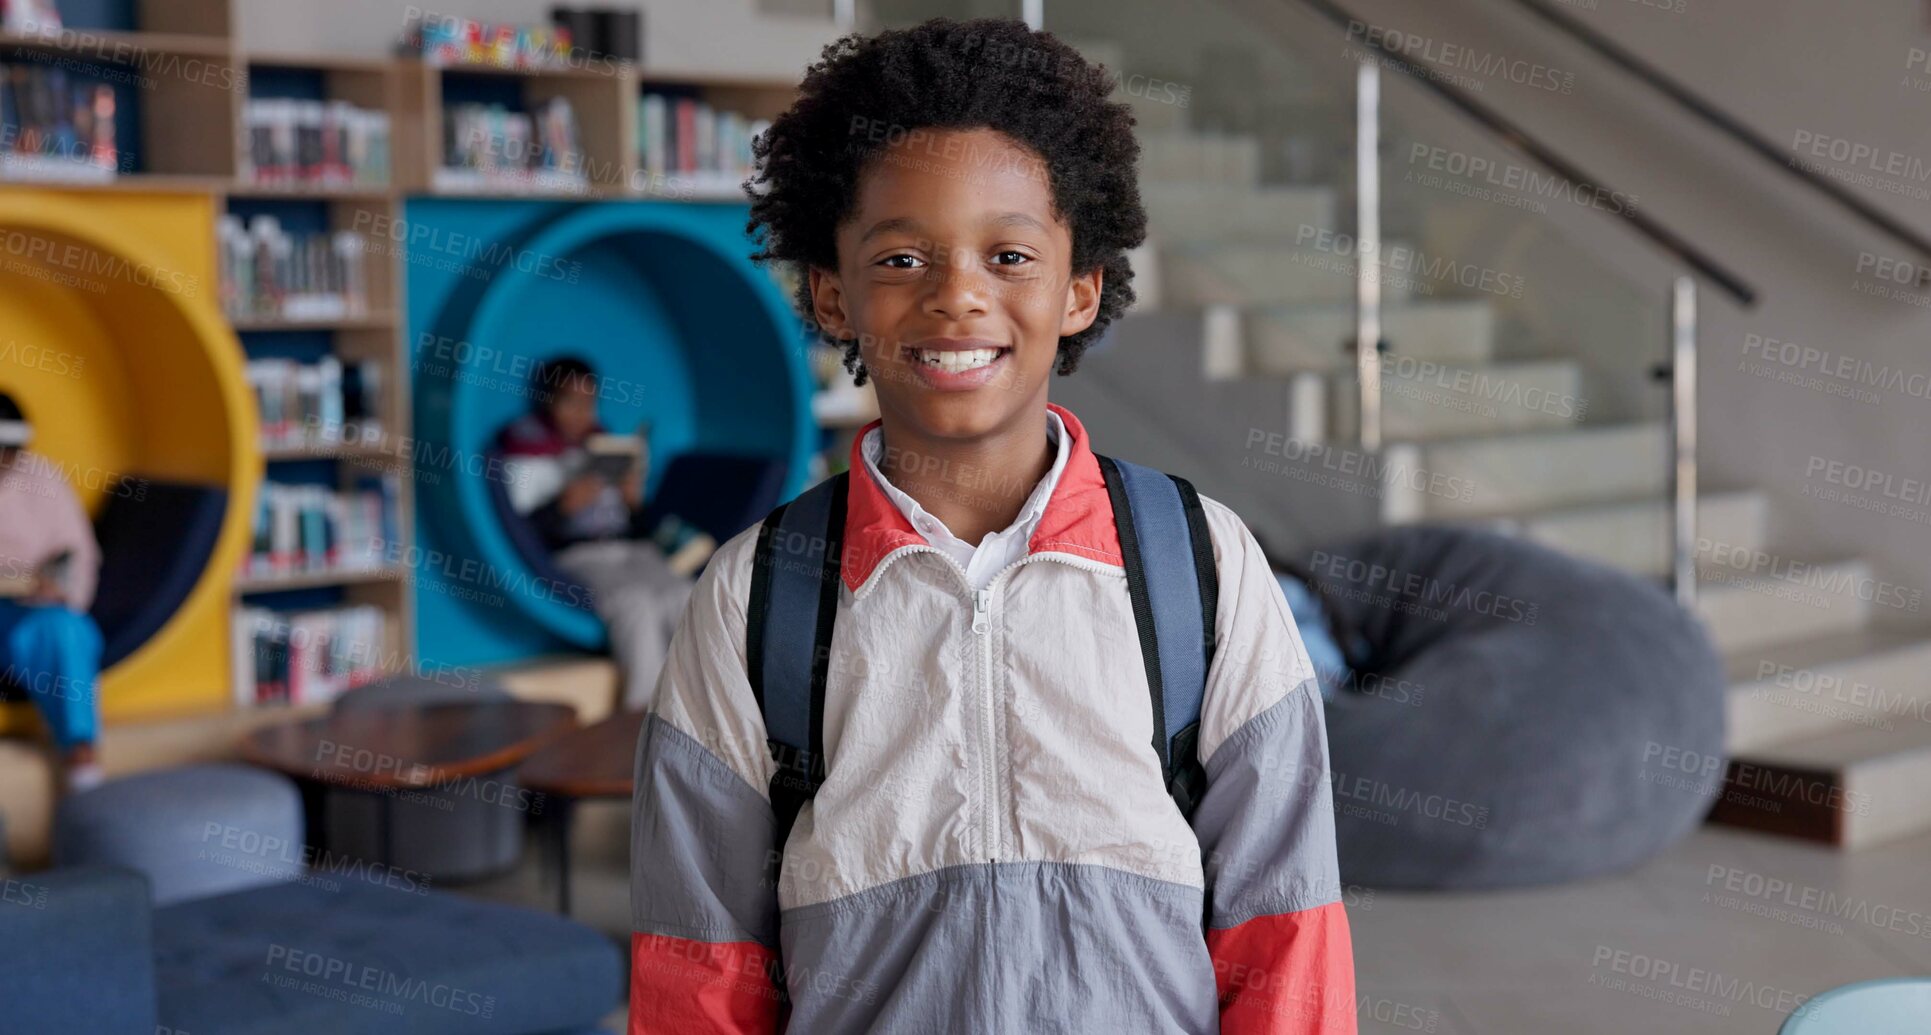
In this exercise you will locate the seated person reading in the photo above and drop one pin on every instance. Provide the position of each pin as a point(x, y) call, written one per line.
point(49, 647)
point(583, 491)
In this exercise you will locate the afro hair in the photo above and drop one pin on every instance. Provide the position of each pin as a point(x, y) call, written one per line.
point(867, 92)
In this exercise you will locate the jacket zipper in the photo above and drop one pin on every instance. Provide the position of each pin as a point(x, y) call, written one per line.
point(995, 800)
point(992, 790)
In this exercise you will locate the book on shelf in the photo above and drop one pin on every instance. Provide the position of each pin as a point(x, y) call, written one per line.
point(489, 146)
point(312, 529)
point(30, 17)
point(309, 143)
point(685, 143)
point(322, 404)
point(306, 657)
point(268, 273)
point(57, 125)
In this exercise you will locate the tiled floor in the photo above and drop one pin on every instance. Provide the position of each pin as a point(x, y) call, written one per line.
point(1723, 934)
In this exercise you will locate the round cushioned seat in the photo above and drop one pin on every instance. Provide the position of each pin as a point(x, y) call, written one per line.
point(196, 831)
point(1520, 717)
point(1888, 1006)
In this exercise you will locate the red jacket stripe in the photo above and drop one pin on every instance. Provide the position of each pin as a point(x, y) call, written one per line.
point(1287, 974)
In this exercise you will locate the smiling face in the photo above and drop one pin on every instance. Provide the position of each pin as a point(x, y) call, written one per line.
point(956, 276)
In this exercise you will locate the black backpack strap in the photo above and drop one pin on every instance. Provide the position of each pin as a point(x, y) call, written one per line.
point(789, 619)
point(1175, 588)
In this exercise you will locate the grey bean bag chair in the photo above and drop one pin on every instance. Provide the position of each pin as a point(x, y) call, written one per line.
point(1516, 716)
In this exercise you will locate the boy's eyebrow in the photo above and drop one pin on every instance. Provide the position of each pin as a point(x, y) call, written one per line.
point(1020, 219)
point(894, 224)
point(912, 226)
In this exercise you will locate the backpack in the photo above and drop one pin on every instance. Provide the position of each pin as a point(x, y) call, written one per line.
point(793, 605)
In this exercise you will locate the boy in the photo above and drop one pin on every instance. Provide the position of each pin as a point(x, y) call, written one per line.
point(993, 846)
point(591, 523)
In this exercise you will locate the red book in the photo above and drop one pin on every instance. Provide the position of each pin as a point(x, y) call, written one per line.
point(686, 135)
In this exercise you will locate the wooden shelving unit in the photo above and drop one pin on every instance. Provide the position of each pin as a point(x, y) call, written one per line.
point(180, 64)
point(191, 99)
point(365, 322)
point(318, 580)
point(376, 334)
point(113, 45)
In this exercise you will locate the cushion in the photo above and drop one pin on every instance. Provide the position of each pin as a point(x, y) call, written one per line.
point(721, 493)
point(194, 831)
point(154, 547)
point(349, 951)
point(1520, 716)
point(80, 953)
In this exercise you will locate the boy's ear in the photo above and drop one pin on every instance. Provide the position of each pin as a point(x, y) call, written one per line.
point(828, 303)
point(1082, 301)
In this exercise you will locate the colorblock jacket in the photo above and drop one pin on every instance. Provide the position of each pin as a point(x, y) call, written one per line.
point(994, 848)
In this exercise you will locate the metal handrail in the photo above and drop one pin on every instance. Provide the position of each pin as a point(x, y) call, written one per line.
point(1724, 122)
point(1515, 136)
point(1682, 378)
point(1367, 252)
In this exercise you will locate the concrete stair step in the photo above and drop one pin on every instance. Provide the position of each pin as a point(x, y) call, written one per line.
point(1223, 159)
point(1851, 788)
point(1247, 273)
point(1861, 679)
point(1745, 611)
point(1633, 535)
point(1178, 212)
point(1288, 341)
point(1509, 474)
point(1426, 399)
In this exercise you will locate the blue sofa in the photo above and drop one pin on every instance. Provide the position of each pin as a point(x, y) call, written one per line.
point(289, 942)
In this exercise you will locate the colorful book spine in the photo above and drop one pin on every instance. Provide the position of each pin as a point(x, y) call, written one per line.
point(306, 657)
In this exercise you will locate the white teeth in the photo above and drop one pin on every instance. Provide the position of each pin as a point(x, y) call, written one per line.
point(954, 361)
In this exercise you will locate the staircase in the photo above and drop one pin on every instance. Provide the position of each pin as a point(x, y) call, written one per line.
point(1246, 315)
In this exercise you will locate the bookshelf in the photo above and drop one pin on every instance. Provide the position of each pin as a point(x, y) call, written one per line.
point(597, 169)
point(365, 206)
point(184, 84)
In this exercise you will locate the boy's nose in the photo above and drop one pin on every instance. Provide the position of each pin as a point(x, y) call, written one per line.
point(959, 286)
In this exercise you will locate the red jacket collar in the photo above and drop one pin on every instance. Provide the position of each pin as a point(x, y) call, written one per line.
point(1078, 518)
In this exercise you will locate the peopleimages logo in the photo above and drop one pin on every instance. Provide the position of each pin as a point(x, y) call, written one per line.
point(388, 233)
point(1518, 178)
point(1411, 262)
point(1461, 58)
point(86, 261)
point(334, 975)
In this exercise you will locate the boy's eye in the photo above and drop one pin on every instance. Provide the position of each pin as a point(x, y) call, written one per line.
point(901, 262)
point(1011, 258)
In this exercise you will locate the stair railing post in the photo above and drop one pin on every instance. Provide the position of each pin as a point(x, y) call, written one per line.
point(1367, 251)
point(1683, 440)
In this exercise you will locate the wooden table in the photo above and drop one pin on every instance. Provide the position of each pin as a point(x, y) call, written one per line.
point(382, 750)
point(598, 761)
